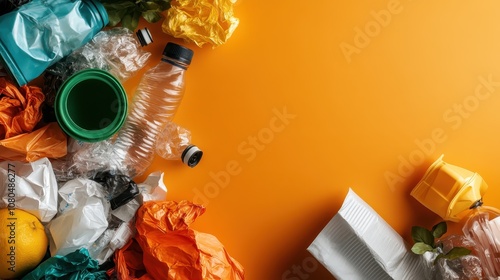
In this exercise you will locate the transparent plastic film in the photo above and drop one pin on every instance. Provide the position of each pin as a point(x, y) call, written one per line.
point(116, 50)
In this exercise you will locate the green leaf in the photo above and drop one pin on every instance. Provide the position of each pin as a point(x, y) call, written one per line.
point(457, 252)
point(164, 5)
point(440, 256)
point(119, 6)
point(454, 253)
point(129, 12)
point(127, 21)
point(115, 17)
point(420, 248)
point(151, 5)
point(420, 234)
point(151, 16)
point(439, 229)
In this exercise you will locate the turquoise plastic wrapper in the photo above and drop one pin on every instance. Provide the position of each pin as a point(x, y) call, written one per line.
point(74, 266)
point(41, 32)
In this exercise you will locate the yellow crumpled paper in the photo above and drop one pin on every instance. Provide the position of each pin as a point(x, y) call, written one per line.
point(201, 21)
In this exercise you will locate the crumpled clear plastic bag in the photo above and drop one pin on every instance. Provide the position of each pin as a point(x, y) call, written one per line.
point(48, 141)
point(463, 268)
point(84, 159)
point(171, 249)
point(77, 265)
point(116, 50)
point(201, 21)
point(19, 108)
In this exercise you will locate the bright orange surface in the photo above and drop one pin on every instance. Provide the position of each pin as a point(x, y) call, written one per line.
point(411, 89)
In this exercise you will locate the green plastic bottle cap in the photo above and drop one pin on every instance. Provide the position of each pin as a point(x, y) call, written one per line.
point(91, 105)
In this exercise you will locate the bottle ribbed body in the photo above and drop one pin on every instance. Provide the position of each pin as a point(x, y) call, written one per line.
point(154, 103)
point(482, 226)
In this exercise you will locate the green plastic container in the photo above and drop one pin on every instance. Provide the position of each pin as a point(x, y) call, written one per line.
point(91, 105)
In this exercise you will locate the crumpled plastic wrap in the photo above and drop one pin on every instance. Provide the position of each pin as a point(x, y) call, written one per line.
point(77, 265)
point(19, 108)
point(171, 249)
point(116, 50)
point(201, 21)
point(84, 159)
point(48, 141)
point(464, 268)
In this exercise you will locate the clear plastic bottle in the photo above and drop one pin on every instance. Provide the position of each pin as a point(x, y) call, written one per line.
point(482, 226)
point(174, 143)
point(155, 102)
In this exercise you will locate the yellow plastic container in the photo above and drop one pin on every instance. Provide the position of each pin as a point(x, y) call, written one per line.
point(449, 190)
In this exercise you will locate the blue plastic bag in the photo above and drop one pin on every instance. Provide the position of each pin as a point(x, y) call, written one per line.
point(41, 32)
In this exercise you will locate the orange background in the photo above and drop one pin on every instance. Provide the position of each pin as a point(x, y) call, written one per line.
point(371, 90)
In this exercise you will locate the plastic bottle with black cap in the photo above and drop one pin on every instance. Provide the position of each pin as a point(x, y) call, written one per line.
point(153, 105)
point(174, 143)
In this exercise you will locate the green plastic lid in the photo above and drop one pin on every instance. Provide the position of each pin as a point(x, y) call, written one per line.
point(91, 105)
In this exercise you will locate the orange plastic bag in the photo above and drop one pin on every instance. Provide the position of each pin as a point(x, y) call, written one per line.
point(19, 108)
point(172, 250)
point(129, 264)
point(48, 141)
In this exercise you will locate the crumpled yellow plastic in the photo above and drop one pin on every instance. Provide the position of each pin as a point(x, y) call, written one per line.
point(171, 249)
point(19, 108)
point(201, 21)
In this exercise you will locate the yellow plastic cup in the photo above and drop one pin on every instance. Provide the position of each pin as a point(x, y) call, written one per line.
point(449, 190)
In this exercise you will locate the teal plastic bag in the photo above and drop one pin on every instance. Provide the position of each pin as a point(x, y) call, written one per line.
point(41, 32)
point(74, 266)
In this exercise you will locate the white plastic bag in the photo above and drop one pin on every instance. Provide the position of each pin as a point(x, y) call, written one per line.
point(152, 188)
point(29, 186)
point(82, 218)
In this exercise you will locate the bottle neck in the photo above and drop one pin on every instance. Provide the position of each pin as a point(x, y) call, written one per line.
point(476, 204)
point(175, 62)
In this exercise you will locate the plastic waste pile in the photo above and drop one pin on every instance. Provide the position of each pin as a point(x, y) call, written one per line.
point(455, 194)
point(72, 173)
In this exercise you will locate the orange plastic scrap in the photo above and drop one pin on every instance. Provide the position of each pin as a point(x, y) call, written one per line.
point(201, 21)
point(19, 108)
point(172, 250)
point(129, 265)
point(48, 141)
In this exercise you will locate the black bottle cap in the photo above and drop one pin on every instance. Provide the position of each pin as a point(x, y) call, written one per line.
point(191, 155)
point(178, 52)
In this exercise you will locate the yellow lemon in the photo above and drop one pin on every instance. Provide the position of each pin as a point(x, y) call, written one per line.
point(23, 243)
